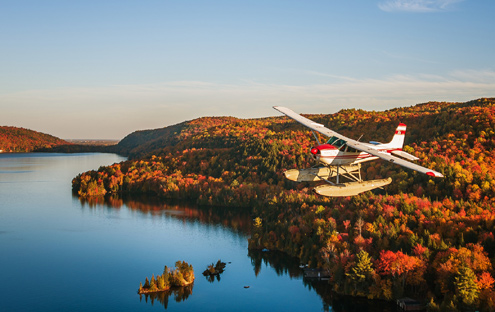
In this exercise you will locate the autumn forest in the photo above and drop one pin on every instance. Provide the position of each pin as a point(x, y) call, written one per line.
point(419, 237)
point(14, 139)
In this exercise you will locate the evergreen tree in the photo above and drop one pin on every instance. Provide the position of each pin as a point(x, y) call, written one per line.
point(153, 283)
point(361, 273)
point(465, 286)
point(166, 276)
point(160, 283)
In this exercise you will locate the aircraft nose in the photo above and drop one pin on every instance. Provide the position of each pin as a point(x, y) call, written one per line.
point(314, 150)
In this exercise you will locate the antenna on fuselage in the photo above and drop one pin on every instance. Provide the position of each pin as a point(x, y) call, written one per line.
point(360, 137)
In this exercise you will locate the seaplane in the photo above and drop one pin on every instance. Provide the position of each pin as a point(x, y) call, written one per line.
point(341, 157)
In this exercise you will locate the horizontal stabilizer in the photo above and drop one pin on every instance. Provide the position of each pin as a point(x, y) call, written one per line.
point(404, 155)
point(350, 188)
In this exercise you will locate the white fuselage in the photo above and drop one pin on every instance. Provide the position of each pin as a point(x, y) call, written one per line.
point(335, 157)
point(336, 152)
point(330, 155)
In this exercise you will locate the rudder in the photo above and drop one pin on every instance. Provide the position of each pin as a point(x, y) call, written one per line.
point(399, 136)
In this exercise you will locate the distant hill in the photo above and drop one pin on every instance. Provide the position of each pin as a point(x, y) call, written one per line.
point(426, 122)
point(14, 139)
point(140, 143)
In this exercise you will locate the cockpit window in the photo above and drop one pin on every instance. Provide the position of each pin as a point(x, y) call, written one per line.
point(339, 143)
point(331, 140)
point(350, 149)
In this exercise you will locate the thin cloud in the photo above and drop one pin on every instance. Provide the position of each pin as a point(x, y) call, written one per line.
point(416, 6)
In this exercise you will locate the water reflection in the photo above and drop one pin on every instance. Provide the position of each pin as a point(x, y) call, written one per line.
point(279, 261)
point(286, 265)
point(236, 220)
point(179, 293)
point(212, 278)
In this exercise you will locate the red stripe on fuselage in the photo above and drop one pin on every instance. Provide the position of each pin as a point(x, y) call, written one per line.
point(348, 156)
point(357, 156)
point(380, 150)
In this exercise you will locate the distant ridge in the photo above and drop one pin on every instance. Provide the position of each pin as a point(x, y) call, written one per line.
point(350, 121)
point(140, 142)
point(15, 140)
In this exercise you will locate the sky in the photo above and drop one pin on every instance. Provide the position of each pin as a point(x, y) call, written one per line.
point(103, 69)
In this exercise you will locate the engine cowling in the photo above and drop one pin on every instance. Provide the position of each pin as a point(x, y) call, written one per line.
point(317, 149)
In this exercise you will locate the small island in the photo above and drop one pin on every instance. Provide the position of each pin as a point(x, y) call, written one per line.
point(182, 275)
point(215, 269)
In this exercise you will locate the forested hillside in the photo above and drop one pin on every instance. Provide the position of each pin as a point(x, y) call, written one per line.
point(140, 143)
point(13, 139)
point(421, 237)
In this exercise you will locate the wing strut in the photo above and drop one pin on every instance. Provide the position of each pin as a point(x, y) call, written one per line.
point(316, 137)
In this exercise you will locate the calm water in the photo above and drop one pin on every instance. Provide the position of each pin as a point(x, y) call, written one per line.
point(58, 253)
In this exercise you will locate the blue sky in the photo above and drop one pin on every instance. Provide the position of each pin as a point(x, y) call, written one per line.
point(102, 69)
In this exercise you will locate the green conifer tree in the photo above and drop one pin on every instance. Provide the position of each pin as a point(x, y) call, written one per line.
point(361, 274)
point(166, 276)
point(160, 283)
point(465, 286)
point(153, 284)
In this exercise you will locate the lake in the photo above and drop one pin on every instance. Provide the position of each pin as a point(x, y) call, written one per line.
point(60, 253)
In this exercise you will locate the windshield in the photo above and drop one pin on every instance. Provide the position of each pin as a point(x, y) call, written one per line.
point(331, 140)
point(339, 143)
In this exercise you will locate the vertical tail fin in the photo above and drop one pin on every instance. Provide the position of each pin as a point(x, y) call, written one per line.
point(398, 139)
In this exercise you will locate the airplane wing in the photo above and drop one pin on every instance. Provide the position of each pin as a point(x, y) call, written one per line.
point(356, 144)
point(309, 123)
point(393, 159)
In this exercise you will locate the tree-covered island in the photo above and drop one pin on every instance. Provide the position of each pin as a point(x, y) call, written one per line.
point(430, 239)
point(214, 270)
point(182, 275)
